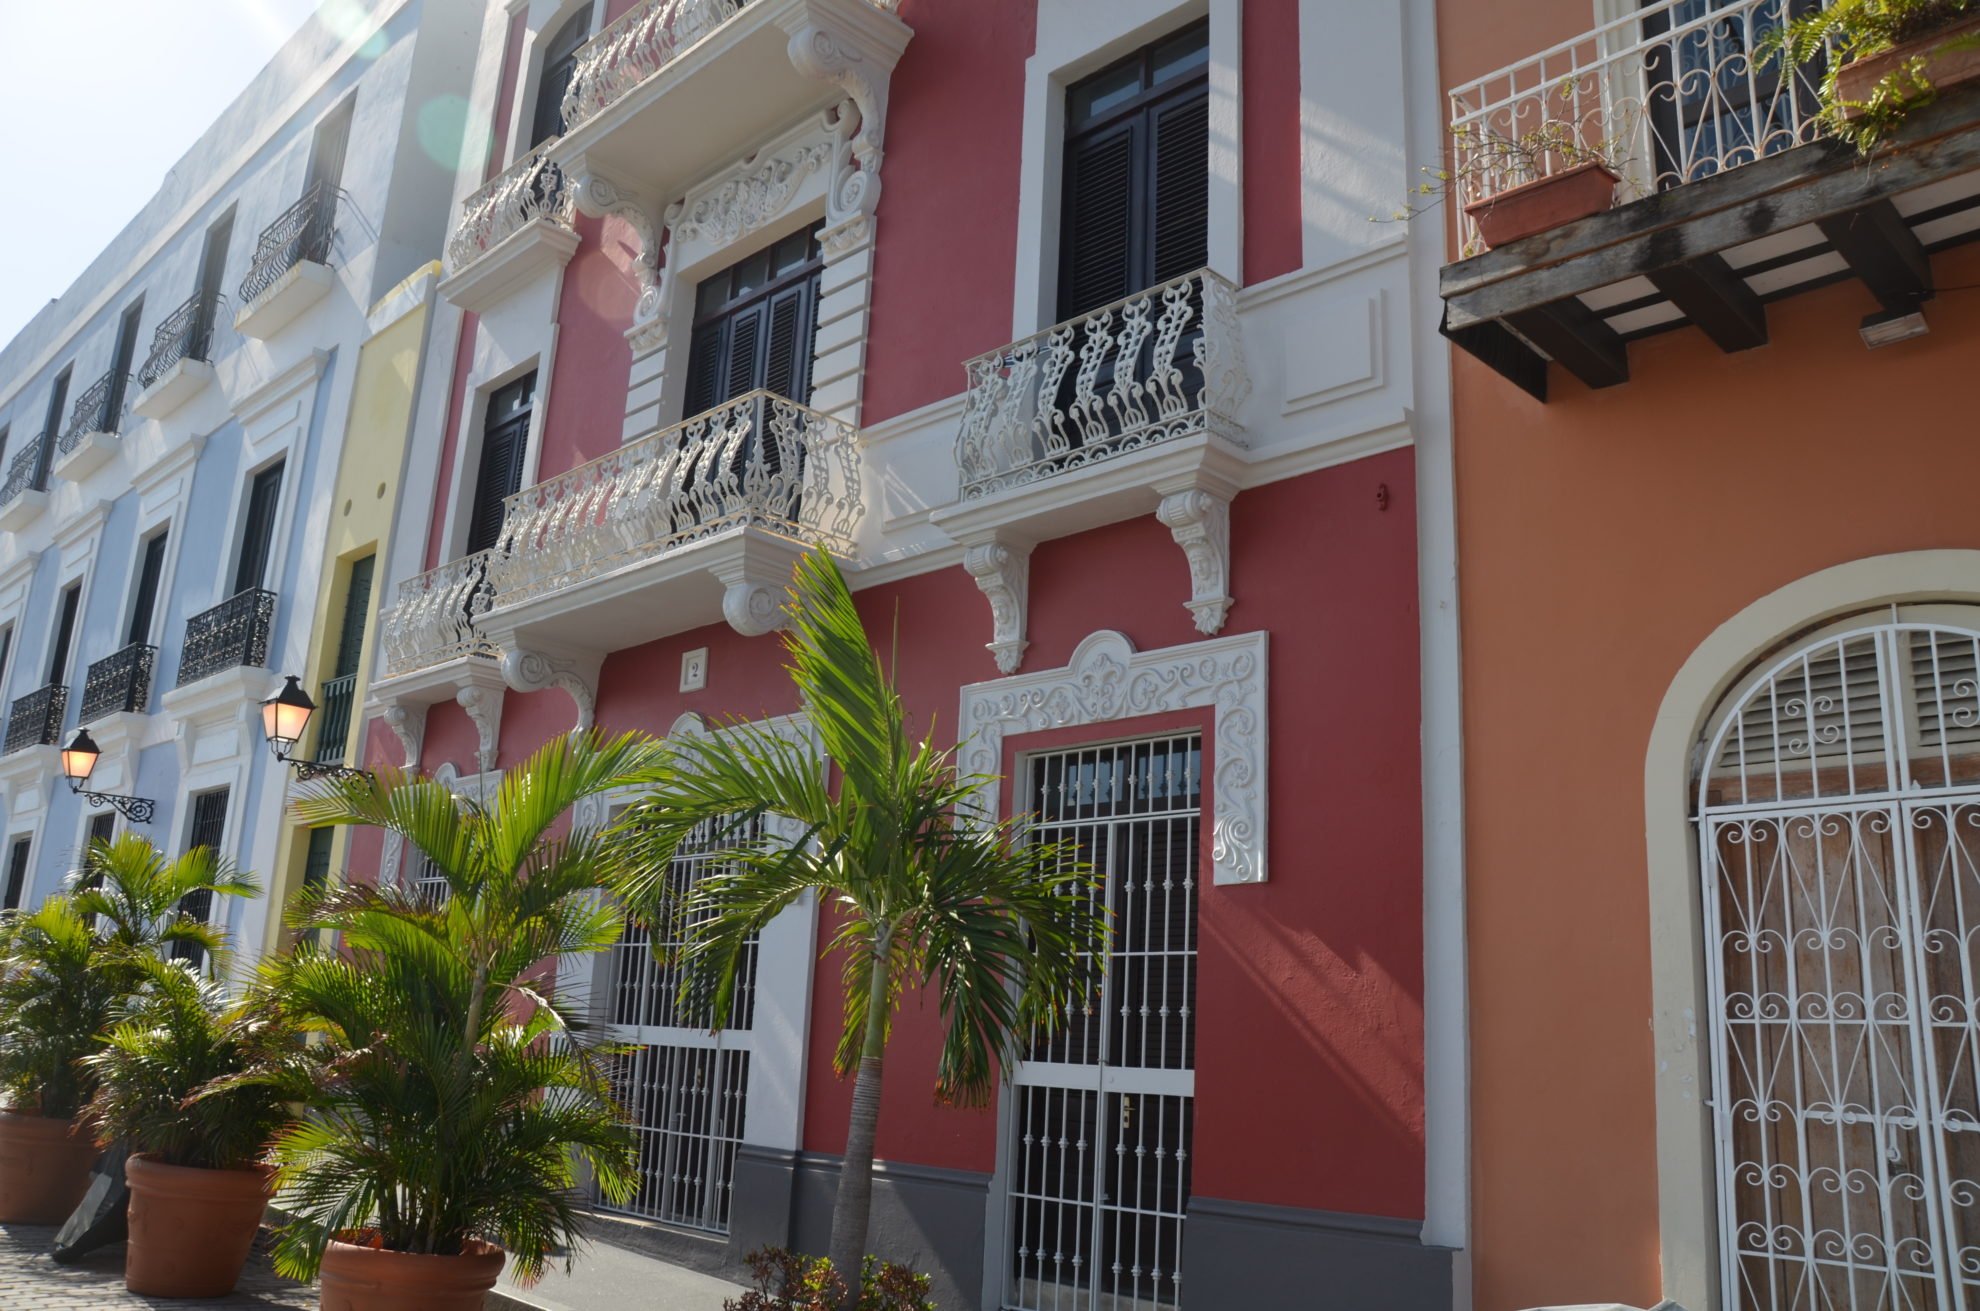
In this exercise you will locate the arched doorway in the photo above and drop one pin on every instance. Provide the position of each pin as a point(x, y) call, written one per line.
point(1838, 814)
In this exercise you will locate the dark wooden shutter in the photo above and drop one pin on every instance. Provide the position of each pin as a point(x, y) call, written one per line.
point(150, 571)
point(757, 326)
point(791, 332)
point(6, 652)
point(65, 635)
point(209, 830)
point(357, 604)
point(258, 530)
point(707, 367)
point(17, 871)
point(58, 401)
point(1100, 237)
point(212, 272)
point(120, 366)
point(559, 64)
point(1182, 188)
point(504, 443)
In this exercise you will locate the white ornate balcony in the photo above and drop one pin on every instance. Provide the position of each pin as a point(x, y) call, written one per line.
point(435, 620)
point(1668, 93)
point(1132, 409)
point(686, 526)
point(516, 226)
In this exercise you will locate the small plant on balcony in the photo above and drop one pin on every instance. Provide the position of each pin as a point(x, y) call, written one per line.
point(1885, 59)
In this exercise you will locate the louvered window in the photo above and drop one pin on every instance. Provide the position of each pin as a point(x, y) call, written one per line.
point(559, 65)
point(755, 324)
point(65, 635)
point(208, 829)
point(504, 443)
point(258, 529)
point(1136, 199)
point(151, 570)
point(17, 872)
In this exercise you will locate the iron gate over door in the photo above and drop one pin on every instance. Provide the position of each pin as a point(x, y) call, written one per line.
point(1839, 824)
point(1098, 1160)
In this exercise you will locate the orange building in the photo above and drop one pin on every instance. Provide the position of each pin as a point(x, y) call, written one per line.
point(1719, 554)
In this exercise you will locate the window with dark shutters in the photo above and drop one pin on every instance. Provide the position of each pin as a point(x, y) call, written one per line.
point(559, 64)
point(208, 829)
point(151, 570)
point(1135, 205)
point(258, 529)
point(102, 829)
point(504, 443)
point(65, 635)
point(17, 871)
point(755, 325)
point(357, 604)
point(6, 653)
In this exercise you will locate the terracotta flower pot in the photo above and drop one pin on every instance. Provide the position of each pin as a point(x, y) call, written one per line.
point(191, 1230)
point(44, 1168)
point(1943, 67)
point(359, 1277)
point(1543, 204)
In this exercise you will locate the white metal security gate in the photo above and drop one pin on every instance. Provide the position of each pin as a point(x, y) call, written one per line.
point(684, 1087)
point(1839, 823)
point(1098, 1159)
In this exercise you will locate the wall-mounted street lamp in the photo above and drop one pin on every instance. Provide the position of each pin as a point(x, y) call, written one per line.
point(284, 716)
point(79, 761)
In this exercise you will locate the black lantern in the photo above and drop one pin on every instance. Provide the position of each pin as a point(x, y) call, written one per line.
point(79, 762)
point(284, 718)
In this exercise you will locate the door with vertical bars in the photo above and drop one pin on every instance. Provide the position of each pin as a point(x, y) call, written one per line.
point(1097, 1160)
point(1839, 827)
point(684, 1086)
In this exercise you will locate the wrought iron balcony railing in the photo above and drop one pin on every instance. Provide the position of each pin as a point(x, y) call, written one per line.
point(1671, 92)
point(532, 188)
point(436, 618)
point(119, 683)
point(185, 334)
point(27, 471)
point(36, 719)
point(758, 461)
point(334, 706)
point(302, 234)
point(99, 409)
point(1163, 363)
point(643, 41)
point(232, 635)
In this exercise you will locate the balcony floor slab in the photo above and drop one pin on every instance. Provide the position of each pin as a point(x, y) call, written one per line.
point(174, 388)
point(285, 300)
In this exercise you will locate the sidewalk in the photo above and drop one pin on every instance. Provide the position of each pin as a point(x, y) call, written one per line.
point(608, 1278)
point(29, 1281)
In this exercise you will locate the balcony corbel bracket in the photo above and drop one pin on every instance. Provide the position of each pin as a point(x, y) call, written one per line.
point(525, 670)
point(861, 68)
point(484, 707)
point(1002, 569)
point(752, 597)
point(1200, 521)
point(408, 724)
point(599, 197)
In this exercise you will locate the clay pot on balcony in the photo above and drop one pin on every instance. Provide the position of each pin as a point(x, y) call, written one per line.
point(1951, 56)
point(1543, 204)
point(44, 1168)
point(358, 1275)
point(191, 1230)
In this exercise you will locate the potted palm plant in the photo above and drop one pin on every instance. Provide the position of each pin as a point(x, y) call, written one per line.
point(999, 928)
point(198, 1086)
point(458, 1094)
point(1884, 59)
point(64, 969)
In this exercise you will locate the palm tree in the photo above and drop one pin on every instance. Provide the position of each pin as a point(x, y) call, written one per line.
point(462, 1085)
point(1001, 928)
point(146, 903)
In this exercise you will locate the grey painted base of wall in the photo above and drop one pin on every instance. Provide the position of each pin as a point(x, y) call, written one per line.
point(1235, 1254)
point(1279, 1258)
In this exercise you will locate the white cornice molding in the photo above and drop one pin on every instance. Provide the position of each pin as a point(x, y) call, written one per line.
point(266, 395)
point(1108, 680)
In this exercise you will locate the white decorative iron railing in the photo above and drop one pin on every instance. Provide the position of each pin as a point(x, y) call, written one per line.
point(531, 188)
point(1161, 364)
point(1667, 94)
point(435, 619)
point(757, 461)
point(642, 42)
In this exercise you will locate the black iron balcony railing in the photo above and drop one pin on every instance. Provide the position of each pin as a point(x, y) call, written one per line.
point(28, 471)
point(36, 719)
point(185, 334)
point(302, 234)
point(232, 635)
point(333, 717)
point(99, 409)
point(120, 683)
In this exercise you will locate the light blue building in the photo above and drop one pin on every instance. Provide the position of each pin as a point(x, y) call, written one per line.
point(170, 435)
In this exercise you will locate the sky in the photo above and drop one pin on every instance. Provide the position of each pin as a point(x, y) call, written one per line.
point(101, 109)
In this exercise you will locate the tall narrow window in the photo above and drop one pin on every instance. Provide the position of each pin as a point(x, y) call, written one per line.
point(755, 324)
point(339, 695)
point(120, 363)
point(209, 830)
point(151, 570)
point(65, 634)
point(58, 400)
point(316, 864)
point(102, 829)
point(1103, 1110)
point(328, 148)
point(559, 63)
point(5, 433)
point(258, 529)
point(17, 872)
point(1136, 198)
point(212, 276)
point(504, 443)
point(6, 654)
